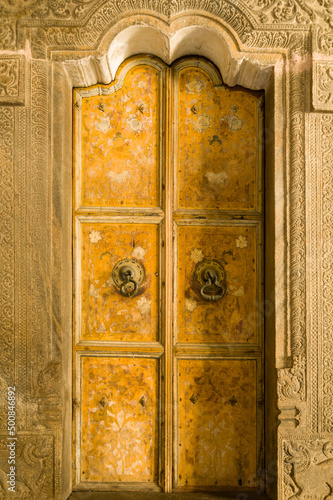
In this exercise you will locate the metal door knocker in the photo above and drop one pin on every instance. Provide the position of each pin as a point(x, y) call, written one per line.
point(128, 274)
point(208, 278)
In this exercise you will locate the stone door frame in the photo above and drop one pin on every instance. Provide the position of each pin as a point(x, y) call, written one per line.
point(44, 56)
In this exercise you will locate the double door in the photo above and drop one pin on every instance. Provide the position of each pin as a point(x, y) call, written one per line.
point(168, 336)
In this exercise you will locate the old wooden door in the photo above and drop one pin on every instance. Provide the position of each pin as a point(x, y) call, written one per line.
point(168, 348)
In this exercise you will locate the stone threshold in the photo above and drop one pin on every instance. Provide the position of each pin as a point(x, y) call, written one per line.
point(135, 495)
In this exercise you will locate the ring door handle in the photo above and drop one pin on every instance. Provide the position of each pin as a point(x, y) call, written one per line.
point(211, 279)
point(128, 274)
point(128, 278)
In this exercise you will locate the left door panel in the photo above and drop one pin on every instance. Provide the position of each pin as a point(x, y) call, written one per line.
point(118, 340)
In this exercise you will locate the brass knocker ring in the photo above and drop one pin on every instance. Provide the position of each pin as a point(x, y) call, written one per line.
point(211, 279)
point(127, 275)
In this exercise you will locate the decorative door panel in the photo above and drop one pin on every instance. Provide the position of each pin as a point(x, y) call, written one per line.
point(119, 419)
point(216, 433)
point(219, 143)
point(235, 318)
point(118, 141)
point(168, 261)
point(105, 312)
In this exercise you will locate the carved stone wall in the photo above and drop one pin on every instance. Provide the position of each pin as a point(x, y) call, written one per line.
point(49, 46)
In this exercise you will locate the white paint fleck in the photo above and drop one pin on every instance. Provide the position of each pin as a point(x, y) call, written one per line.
point(197, 255)
point(109, 282)
point(219, 179)
point(119, 178)
point(190, 304)
point(93, 292)
point(239, 292)
point(95, 236)
point(241, 242)
point(143, 305)
point(139, 253)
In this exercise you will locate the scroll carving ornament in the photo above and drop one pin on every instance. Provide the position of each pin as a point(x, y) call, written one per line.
point(34, 467)
point(307, 469)
point(262, 11)
point(291, 381)
point(326, 148)
point(9, 77)
point(280, 17)
point(323, 88)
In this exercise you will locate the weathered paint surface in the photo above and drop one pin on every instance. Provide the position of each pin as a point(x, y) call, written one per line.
point(120, 143)
point(119, 411)
point(106, 313)
point(218, 156)
point(217, 423)
point(232, 319)
point(126, 414)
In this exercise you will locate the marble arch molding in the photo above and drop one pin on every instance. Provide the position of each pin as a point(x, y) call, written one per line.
point(46, 49)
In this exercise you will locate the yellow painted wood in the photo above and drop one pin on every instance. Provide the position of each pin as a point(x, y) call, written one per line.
point(168, 171)
point(216, 438)
point(219, 130)
point(120, 143)
point(106, 313)
point(234, 318)
point(119, 419)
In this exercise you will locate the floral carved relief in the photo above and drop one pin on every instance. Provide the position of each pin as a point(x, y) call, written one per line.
point(12, 85)
point(323, 86)
point(307, 469)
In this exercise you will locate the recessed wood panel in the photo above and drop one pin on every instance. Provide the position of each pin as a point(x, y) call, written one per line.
point(234, 318)
point(120, 143)
point(119, 426)
point(106, 313)
point(219, 133)
point(217, 423)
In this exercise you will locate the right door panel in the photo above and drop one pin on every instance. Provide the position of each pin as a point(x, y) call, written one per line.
point(218, 282)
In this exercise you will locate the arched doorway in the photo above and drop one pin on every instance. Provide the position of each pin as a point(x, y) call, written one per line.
point(168, 257)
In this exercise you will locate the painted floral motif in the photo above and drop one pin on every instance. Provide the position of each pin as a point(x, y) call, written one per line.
point(118, 178)
point(217, 423)
point(197, 255)
point(234, 319)
point(120, 141)
point(95, 236)
point(118, 419)
point(106, 314)
point(241, 242)
point(234, 123)
point(220, 179)
point(218, 133)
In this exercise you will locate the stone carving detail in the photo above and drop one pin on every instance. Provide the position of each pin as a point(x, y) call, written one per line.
point(39, 215)
point(307, 469)
point(291, 381)
point(11, 79)
point(236, 16)
point(7, 35)
point(297, 12)
point(298, 228)
point(288, 12)
point(7, 123)
point(34, 467)
point(325, 41)
point(47, 395)
point(326, 147)
point(323, 86)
